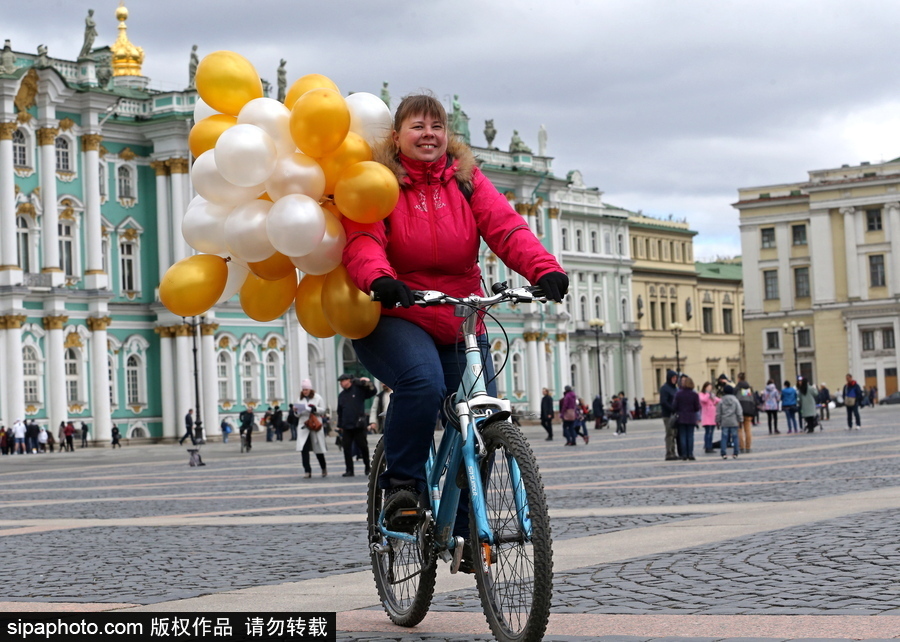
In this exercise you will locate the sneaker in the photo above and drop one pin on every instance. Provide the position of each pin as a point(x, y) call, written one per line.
point(724, 456)
point(586, 438)
point(401, 509)
point(467, 563)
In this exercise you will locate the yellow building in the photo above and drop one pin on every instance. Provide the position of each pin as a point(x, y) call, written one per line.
point(689, 314)
point(822, 253)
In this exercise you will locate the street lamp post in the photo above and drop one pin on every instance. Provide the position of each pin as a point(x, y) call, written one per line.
point(794, 327)
point(198, 422)
point(597, 326)
point(676, 329)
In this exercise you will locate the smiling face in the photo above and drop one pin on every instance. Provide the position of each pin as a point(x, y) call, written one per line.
point(422, 138)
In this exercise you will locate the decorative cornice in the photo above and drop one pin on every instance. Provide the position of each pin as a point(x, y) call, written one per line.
point(127, 154)
point(7, 130)
point(103, 151)
point(130, 234)
point(26, 209)
point(47, 135)
point(96, 324)
point(13, 321)
point(160, 167)
point(55, 322)
point(208, 329)
point(91, 142)
point(165, 331)
point(848, 211)
point(73, 340)
point(531, 336)
point(178, 165)
point(183, 330)
point(562, 337)
point(553, 212)
point(225, 342)
point(66, 124)
point(89, 272)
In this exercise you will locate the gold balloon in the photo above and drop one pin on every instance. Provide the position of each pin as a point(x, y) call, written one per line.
point(193, 285)
point(366, 192)
point(227, 81)
point(348, 309)
point(353, 150)
point(273, 268)
point(205, 133)
point(331, 207)
point(320, 120)
point(264, 300)
point(308, 306)
point(303, 85)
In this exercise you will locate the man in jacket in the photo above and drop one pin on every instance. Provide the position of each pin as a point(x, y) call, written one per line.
point(547, 413)
point(246, 428)
point(747, 399)
point(666, 397)
point(822, 400)
point(293, 420)
point(729, 416)
point(852, 398)
point(188, 428)
point(352, 419)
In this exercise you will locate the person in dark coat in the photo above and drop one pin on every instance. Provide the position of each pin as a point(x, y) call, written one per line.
point(685, 407)
point(352, 418)
point(188, 428)
point(547, 413)
point(666, 397)
point(598, 410)
point(246, 428)
point(278, 423)
point(293, 420)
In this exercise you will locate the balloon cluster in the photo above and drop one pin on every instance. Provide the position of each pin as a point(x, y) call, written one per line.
point(273, 181)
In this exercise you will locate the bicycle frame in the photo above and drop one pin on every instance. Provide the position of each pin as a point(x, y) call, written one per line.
point(459, 447)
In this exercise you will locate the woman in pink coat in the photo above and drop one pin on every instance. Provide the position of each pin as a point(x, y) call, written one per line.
point(708, 403)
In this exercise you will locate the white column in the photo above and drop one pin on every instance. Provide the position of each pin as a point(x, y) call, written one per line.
point(893, 237)
point(166, 377)
point(95, 277)
point(5, 418)
point(178, 168)
point(10, 274)
point(543, 373)
point(639, 378)
point(162, 216)
point(297, 354)
point(821, 252)
point(58, 408)
point(184, 381)
point(15, 389)
point(785, 274)
point(630, 385)
point(555, 242)
point(209, 382)
point(50, 216)
point(100, 379)
point(532, 376)
point(854, 290)
point(584, 386)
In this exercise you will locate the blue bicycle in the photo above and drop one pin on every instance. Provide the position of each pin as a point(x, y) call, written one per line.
point(485, 455)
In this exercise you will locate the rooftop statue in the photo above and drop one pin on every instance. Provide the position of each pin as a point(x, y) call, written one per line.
point(7, 59)
point(42, 61)
point(459, 122)
point(490, 133)
point(385, 94)
point(517, 145)
point(542, 141)
point(192, 66)
point(282, 80)
point(90, 33)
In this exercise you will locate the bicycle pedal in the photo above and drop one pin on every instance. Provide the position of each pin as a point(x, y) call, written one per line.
point(457, 554)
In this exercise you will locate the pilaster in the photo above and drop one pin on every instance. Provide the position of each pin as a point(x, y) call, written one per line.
point(46, 138)
point(100, 378)
point(178, 168)
point(532, 376)
point(10, 273)
point(57, 406)
point(95, 277)
point(210, 379)
point(163, 236)
point(166, 376)
point(854, 290)
point(893, 216)
point(184, 368)
point(15, 388)
point(821, 252)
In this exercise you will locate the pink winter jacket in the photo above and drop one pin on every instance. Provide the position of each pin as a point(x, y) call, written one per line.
point(708, 403)
point(431, 239)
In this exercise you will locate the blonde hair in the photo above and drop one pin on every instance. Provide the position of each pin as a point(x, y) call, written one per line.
point(414, 104)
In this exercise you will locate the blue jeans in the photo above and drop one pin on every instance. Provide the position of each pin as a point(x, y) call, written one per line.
point(570, 431)
point(686, 440)
point(851, 412)
point(708, 437)
point(729, 434)
point(403, 356)
point(791, 415)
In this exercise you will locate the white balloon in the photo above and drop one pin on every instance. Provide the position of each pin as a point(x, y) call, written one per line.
point(327, 255)
point(202, 110)
point(296, 174)
point(273, 118)
point(369, 117)
point(212, 186)
point(245, 155)
point(245, 231)
point(203, 226)
point(237, 274)
point(296, 225)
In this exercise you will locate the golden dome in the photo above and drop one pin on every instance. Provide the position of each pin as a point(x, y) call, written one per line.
point(126, 58)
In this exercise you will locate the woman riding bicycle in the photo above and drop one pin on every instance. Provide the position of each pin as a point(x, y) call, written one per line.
point(430, 242)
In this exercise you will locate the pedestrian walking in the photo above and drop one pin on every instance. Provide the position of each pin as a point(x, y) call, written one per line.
point(547, 413)
point(852, 393)
point(729, 416)
point(686, 407)
point(293, 421)
point(115, 436)
point(352, 419)
point(32, 431)
point(188, 428)
point(666, 397)
point(789, 406)
point(616, 412)
point(708, 403)
point(277, 420)
point(823, 400)
point(19, 431)
point(771, 400)
point(581, 412)
point(569, 413)
point(246, 428)
point(807, 394)
point(311, 436)
point(84, 435)
point(42, 440)
point(226, 429)
point(70, 437)
point(745, 395)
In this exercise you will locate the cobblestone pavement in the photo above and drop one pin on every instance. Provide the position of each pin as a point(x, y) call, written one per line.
point(139, 526)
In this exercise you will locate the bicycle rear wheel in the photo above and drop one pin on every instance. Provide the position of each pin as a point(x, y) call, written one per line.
point(515, 574)
point(404, 571)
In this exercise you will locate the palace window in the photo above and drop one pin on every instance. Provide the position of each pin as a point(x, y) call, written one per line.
point(20, 156)
point(674, 316)
point(707, 320)
point(72, 375)
point(273, 370)
point(653, 315)
point(728, 321)
point(801, 282)
point(607, 243)
point(23, 244)
point(128, 265)
point(579, 241)
point(770, 278)
point(768, 237)
point(594, 241)
point(518, 382)
point(773, 340)
point(798, 233)
point(248, 376)
point(66, 248)
point(133, 381)
point(31, 375)
point(63, 155)
point(582, 308)
point(868, 339)
point(126, 182)
point(620, 245)
point(598, 307)
point(804, 338)
point(564, 237)
point(873, 220)
point(101, 177)
point(876, 270)
point(113, 384)
point(222, 369)
point(497, 358)
point(887, 339)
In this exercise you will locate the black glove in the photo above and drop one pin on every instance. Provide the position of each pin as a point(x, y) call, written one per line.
point(392, 293)
point(554, 285)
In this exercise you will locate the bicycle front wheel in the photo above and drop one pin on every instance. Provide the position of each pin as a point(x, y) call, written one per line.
point(514, 573)
point(404, 571)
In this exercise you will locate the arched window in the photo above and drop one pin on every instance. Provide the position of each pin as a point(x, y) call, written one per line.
point(272, 368)
point(222, 369)
point(620, 244)
point(497, 358)
point(67, 247)
point(72, 376)
point(133, 380)
point(594, 247)
point(350, 361)
point(564, 236)
point(31, 375)
point(63, 156)
point(128, 266)
point(518, 380)
point(624, 317)
point(573, 374)
point(113, 382)
point(607, 243)
point(101, 177)
point(20, 157)
point(579, 241)
point(248, 377)
point(126, 182)
point(23, 244)
point(582, 308)
point(598, 307)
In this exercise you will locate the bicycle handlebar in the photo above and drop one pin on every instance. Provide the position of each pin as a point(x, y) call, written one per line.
point(526, 294)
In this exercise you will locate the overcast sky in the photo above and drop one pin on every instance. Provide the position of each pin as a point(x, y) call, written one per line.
point(666, 106)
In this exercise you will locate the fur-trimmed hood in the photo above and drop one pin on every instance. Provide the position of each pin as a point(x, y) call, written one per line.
point(458, 152)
